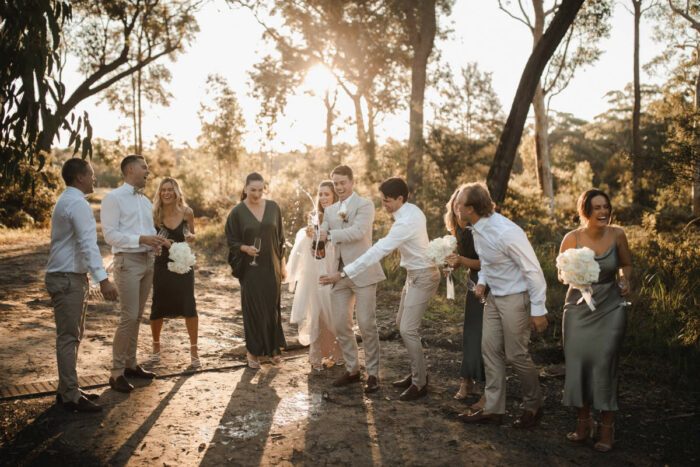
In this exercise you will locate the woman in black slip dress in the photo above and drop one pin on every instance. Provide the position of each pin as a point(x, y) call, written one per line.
point(173, 293)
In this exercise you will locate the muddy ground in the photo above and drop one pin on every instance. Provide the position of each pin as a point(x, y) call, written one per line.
point(287, 414)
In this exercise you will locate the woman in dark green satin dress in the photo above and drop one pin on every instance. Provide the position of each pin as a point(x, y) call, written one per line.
point(592, 339)
point(256, 217)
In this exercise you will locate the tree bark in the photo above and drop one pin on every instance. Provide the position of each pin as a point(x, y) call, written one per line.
point(636, 111)
point(329, 125)
point(133, 109)
point(499, 173)
point(543, 164)
point(696, 151)
point(422, 41)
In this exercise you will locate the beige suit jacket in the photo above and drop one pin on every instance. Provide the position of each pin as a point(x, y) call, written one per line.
point(352, 236)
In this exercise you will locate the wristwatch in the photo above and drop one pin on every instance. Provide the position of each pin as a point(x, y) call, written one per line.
point(343, 275)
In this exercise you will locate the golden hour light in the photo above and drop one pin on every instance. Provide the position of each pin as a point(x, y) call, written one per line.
point(372, 233)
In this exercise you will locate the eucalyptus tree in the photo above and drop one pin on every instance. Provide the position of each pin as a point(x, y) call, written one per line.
point(357, 41)
point(115, 39)
point(678, 27)
point(499, 173)
point(223, 127)
point(580, 48)
point(30, 40)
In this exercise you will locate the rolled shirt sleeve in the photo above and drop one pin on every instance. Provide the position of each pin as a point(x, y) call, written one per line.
point(518, 248)
point(85, 228)
point(398, 234)
point(109, 217)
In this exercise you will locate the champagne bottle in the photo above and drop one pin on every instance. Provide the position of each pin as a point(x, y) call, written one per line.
point(318, 247)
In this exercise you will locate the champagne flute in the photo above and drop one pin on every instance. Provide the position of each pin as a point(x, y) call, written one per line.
point(257, 243)
point(162, 233)
point(186, 231)
point(471, 286)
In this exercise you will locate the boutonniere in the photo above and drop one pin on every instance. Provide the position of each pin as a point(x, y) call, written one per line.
point(343, 213)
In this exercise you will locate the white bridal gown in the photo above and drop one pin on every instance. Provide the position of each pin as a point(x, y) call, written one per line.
point(311, 309)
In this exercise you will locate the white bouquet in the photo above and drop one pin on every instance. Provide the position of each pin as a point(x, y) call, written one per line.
point(436, 251)
point(181, 258)
point(579, 269)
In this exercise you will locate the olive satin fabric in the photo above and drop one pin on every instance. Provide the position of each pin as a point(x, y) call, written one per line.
point(592, 339)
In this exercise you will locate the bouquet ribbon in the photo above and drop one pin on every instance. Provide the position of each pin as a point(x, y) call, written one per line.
point(450, 287)
point(586, 294)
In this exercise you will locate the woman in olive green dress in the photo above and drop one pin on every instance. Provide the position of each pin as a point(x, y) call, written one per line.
point(260, 269)
point(592, 339)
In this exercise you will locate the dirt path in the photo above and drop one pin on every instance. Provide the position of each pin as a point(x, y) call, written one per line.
point(286, 414)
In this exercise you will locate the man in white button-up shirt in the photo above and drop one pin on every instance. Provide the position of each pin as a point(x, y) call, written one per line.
point(515, 305)
point(73, 253)
point(127, 225)
point(409, 235)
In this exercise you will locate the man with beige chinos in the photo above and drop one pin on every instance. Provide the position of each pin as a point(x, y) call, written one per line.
point(127, 225)
point(347, 225)
point(73, 253)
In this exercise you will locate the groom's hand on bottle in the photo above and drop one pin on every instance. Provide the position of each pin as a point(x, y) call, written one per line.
point(109, 290)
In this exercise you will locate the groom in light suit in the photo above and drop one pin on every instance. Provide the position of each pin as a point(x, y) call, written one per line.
point(347, 225)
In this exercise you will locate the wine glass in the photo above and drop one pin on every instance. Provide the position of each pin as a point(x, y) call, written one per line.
point(186, 231)
point(162, 233)
point(471, 286)
point(257, 243)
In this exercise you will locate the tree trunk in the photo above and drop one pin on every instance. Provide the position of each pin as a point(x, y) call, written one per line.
point(371, 147)
point(360, 122)
point(499, 173)
point(330, 117)
point(140, 111)
point(636, 112)
point(696, 151)
point(133, 109)
point(543, 165)
point(422, 41)
point(544, 169)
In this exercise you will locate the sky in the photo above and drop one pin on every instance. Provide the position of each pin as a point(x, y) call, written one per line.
point(229, 43)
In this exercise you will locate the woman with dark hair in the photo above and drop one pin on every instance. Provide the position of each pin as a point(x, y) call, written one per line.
point(255, 240)
point(311, 309)
point(592, 339)
point(472, 368)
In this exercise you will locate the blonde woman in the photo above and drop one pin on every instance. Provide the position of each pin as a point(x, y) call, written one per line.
point(173, 293)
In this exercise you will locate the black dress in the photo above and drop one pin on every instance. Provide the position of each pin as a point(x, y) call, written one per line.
point(173, 293)
point(472, 363)
point(261, 292)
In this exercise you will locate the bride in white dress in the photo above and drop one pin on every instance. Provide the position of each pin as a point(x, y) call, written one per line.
point(311, 309)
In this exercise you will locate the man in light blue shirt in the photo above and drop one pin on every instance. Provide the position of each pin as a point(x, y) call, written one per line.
point(73, 253)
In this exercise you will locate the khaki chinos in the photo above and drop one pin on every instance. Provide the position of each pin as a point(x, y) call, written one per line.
point(133, 276)
point(69, 294)
point(505, 337)
point(420, 286)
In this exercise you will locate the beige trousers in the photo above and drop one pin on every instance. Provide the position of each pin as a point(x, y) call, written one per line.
point(69, 293)
point(505, 338)
point(133, 276)
point(345, 296)
point(419, 288)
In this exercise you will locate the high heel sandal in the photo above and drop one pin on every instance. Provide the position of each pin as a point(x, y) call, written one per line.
point(589, 432)
point(605, 447)
point(252, 363)
point(194, 363)
point(155, 356)
point(467, 390)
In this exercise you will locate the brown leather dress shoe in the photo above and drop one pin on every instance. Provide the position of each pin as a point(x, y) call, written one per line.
point(404, 383)
point(138, 372)
point(528, 419)
point(120, 384)
point(372, 384)
point(83, 405)
point(480, 417)
point(346, 379)
point(413, 393)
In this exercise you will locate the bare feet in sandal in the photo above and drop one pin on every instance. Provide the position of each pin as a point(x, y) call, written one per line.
point(465, 388)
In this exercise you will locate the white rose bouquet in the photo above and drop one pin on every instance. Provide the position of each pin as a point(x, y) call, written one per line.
point(579, 269)
point(181, 258)
point(436, 251)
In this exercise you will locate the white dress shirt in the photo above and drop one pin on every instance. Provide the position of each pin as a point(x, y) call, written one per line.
point(508, 262)
point(408, 234)
point(125, 217)
point(74, 237)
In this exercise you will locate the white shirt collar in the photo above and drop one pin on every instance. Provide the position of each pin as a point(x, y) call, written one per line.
point(73, 191)
point(482, 223)
point(347, 200)
point(402, 211)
